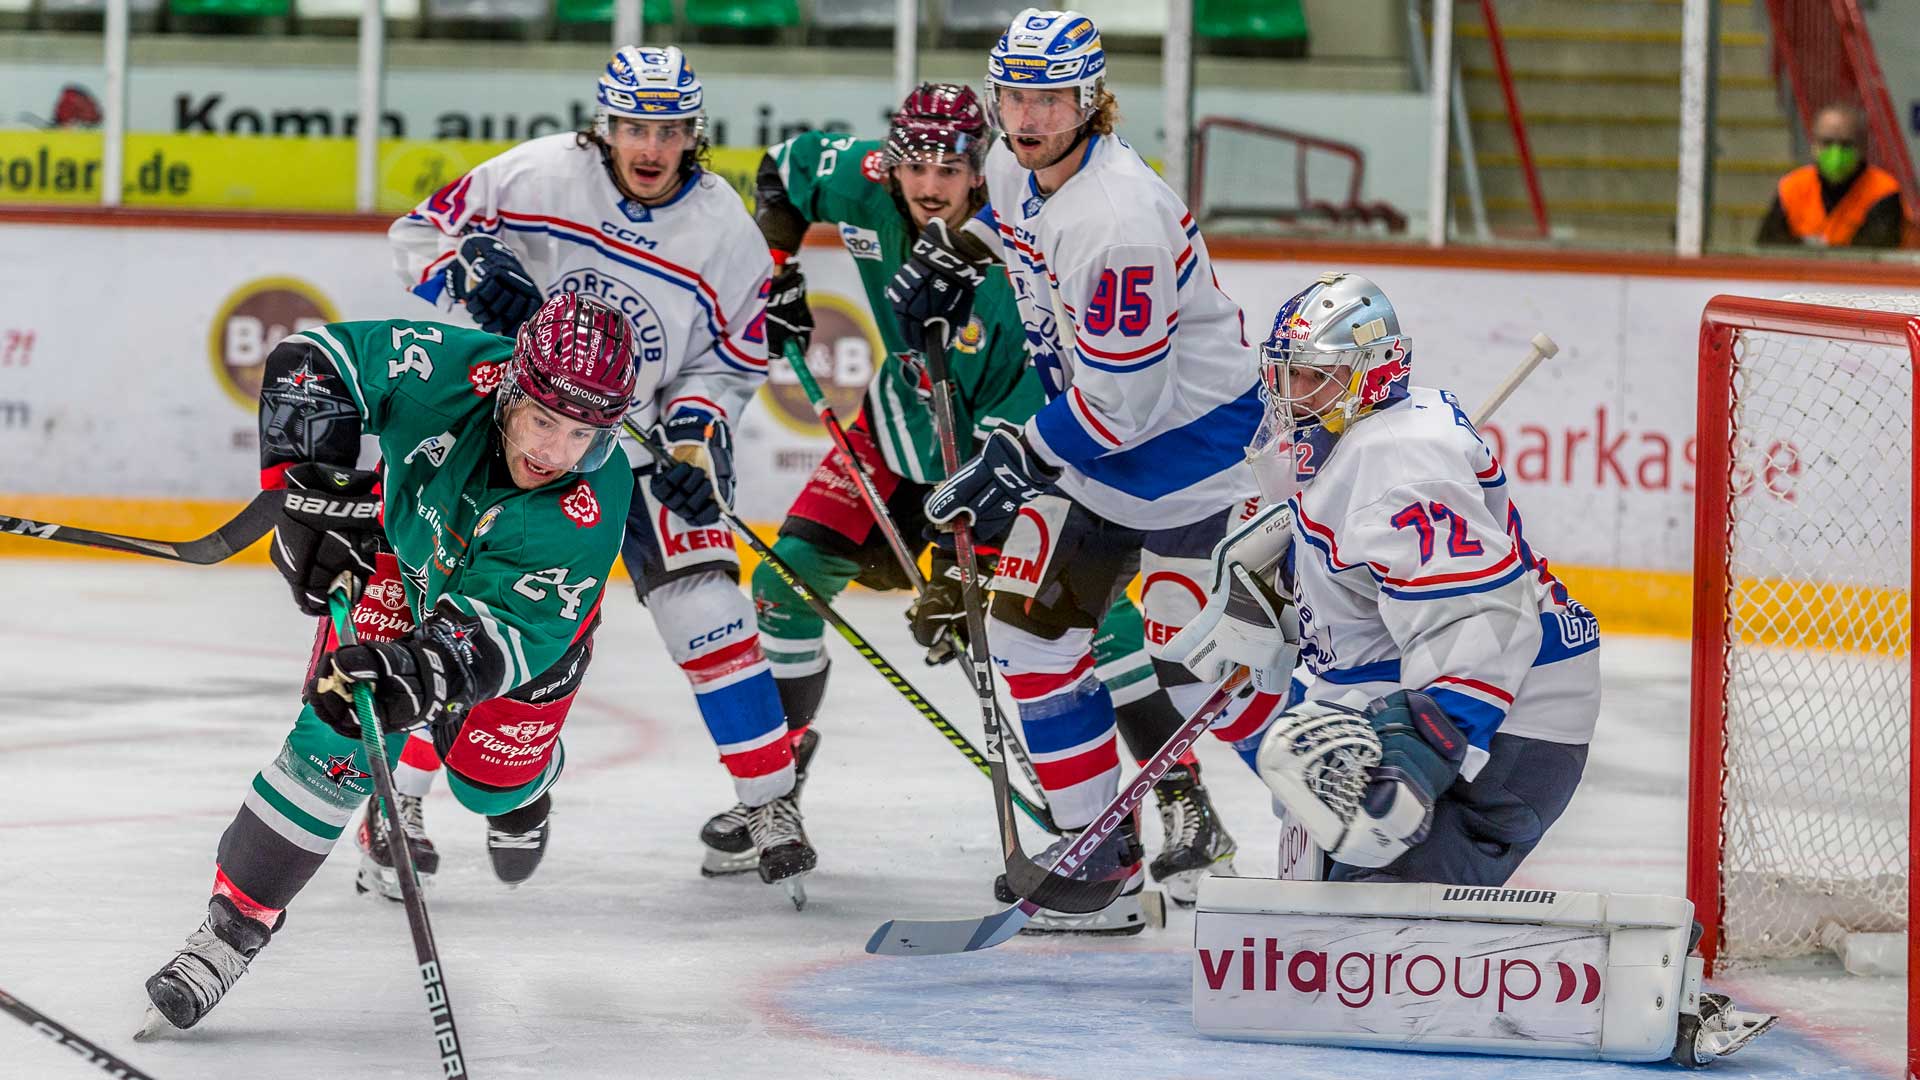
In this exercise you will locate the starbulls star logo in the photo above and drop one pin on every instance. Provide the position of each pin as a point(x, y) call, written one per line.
point(341, 769)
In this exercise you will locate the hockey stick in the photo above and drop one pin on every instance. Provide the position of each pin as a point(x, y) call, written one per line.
point(1040, 814)
point(250, 524)
point(439, 1009)
point(900, 937)
point(883, 520)
point(64, 1037)
point(1024, 876)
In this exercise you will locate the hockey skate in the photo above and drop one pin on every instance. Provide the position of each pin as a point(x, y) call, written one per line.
point(729, 845)
point(1130, 913)
point(517, 840)
point(785, 855)
point(377, 872)
point(194, 981)
point(1193, 843)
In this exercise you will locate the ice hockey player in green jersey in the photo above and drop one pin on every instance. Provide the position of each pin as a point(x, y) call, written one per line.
point(881, 194)
point(479, 555)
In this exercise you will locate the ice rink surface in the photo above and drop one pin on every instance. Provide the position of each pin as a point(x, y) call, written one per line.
point(138, 699)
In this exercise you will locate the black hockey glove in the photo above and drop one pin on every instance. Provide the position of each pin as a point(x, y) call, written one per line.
point(701, 461)
point(992, 487)
point(1420, 747)
point(937, 617)
point(937, 285)
point(788, 316)
point(329, 524)
point(430, 677)
point(487, 276)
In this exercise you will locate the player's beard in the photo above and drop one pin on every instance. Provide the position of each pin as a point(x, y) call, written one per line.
point(1043, 157)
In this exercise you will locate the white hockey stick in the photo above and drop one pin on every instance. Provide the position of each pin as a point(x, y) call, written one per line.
point(935, 937)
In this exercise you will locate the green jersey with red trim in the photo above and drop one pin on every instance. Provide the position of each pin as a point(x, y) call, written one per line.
point(838, 178)
point(530, 566)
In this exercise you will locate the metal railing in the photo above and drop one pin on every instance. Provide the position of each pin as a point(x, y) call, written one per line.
point(1823, 49)
point(1348, 208)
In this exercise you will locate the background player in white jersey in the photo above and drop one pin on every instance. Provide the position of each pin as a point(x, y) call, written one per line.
point(1452, 682)
point(1135, 463)
point(625, 213)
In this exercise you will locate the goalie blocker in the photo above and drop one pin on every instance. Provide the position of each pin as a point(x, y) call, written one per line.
point(1458, 969)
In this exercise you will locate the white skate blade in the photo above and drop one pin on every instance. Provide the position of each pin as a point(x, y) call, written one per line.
point(725, 864)
point(1744, 1027)
point(1127, 915)
point(153, 1025)
point(385, 880)
point(1184, 888)
point(796, 891)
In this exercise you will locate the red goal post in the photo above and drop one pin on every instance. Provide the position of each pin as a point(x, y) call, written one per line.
point(1803, 638)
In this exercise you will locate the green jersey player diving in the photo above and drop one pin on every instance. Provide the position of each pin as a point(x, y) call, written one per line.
point(478, 557)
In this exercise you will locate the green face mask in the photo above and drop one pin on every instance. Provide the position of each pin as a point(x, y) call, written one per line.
point(1836, 162)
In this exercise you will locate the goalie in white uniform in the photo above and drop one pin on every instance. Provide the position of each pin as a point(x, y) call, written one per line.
point(1435, 728)
point(1449, 683)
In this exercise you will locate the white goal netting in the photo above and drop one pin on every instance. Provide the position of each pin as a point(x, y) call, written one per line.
point(1816, 707)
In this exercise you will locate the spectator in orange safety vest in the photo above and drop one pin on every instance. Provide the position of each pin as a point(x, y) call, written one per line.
point(1839, 200)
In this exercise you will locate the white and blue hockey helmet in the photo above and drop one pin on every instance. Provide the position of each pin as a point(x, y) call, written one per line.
point(648, 83)
point(1048, 50)
point(1342, 327)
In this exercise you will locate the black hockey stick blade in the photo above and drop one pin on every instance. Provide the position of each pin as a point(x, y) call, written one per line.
point(66, 1039)
point(252, 523)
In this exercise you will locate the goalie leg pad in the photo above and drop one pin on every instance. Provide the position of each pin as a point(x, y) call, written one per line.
point(1534, 972)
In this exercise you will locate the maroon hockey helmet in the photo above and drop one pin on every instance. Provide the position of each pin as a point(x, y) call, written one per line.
point(935, 120)
point(574, 357)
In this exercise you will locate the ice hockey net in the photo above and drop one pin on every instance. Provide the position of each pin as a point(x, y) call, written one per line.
point(1800, 809)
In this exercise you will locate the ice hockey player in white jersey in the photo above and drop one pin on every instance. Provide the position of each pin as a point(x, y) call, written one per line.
point(626, 214)
point(1451, 683)
point(1134, 463)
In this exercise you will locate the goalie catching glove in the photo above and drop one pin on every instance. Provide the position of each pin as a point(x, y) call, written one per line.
point(428, 678)
point(1363, 783)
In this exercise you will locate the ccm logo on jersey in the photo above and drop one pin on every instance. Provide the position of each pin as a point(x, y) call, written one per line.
point(717, 633)
point(861, 243)
point(320, 504)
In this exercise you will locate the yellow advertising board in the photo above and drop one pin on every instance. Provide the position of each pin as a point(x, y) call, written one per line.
point(253, 172)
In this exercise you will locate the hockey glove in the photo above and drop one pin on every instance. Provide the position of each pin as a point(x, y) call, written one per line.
point(937, 618)
point(788, 316)
point(1364, 784)
point(697, 480)
point(991, 488)
point(428, 678)
point(329, 524)
point(937, 284)
point(487, 276)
